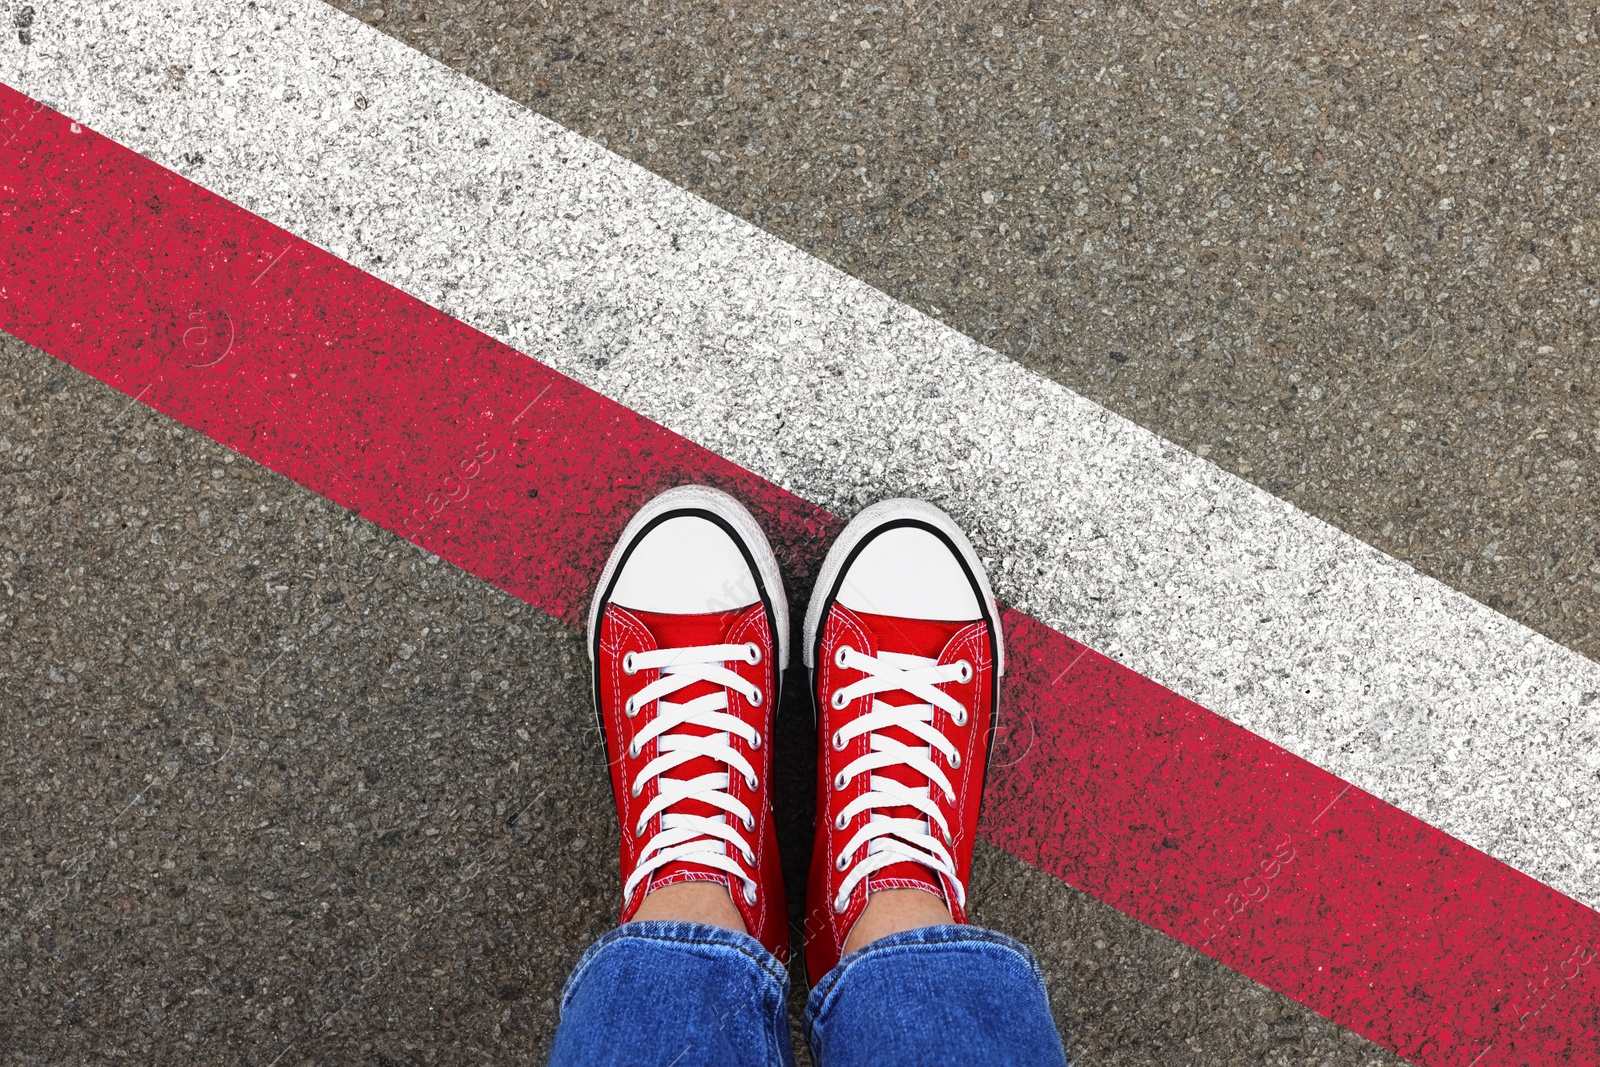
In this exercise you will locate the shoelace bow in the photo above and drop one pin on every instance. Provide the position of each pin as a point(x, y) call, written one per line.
point(704, 840)
point(890, 839)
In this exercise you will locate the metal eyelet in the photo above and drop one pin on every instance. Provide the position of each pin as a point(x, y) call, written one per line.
point(629, 708)
point(755, 742)
point(955, 759)
point(755, 699)
point(839, 823)
point(842, 862)
point(839, 700)
point(838, 657)
point(638, 831)
point(628, 664)
point(839, 904)
point(638, 787)
point(749, 822)
point(840, 781)
point(752, 781)
point(838, 740)
point(633, 750)
point(749, 856)
point(961, 719)
point(749, 893)
point(965, 670)
point(752, 653)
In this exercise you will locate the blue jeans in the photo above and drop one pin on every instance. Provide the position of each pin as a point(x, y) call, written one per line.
point(683, 994)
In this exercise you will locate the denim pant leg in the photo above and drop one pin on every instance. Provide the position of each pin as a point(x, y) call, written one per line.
point(659, 993)
point(941, 994)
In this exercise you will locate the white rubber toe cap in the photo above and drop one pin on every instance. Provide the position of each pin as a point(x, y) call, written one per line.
point(907, 558)
point(691, 550)
point(909, 573)
point(685, 565)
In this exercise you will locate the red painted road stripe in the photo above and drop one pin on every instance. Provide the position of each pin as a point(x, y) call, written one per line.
point(522, 476)
point(1283, 871)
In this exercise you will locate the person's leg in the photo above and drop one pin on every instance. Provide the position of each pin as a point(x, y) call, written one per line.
point(661, 992)
point(891, 911)
point(688, 634)
point(947, 994)
point(903, 636)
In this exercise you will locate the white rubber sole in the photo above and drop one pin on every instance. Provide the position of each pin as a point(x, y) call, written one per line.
point(869, 522)
point(745, 530)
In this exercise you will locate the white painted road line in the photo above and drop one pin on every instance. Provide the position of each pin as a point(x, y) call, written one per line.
point(814, 380)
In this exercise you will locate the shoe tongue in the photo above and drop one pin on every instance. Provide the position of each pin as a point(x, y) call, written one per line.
point(908, 643)
point(691, 631)
point(911, 637)
point(688, 631)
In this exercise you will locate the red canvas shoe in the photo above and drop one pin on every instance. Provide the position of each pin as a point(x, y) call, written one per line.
point(904, 644)
point(689, 635)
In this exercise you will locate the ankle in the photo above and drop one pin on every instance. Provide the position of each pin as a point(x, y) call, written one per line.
point(891, 911)
point(693, 902)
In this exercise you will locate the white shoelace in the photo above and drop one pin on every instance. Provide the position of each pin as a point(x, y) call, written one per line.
point(698, 839)
point(888, 839)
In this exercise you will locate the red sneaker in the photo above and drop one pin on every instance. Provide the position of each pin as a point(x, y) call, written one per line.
point(689, 635)
point(904, 644)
